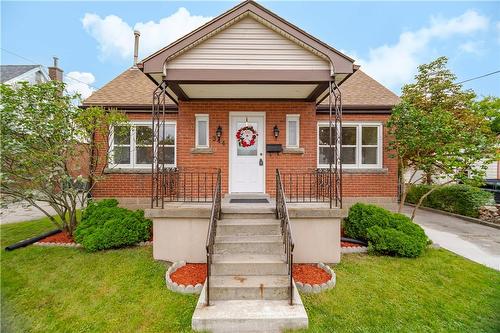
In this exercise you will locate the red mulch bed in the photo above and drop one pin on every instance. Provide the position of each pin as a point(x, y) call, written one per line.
point(62, 238)
point(309, 273)
point(349, 244)
point(190, 274)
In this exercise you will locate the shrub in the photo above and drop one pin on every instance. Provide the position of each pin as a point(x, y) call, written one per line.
point(402, 238)
point(459, 199)
point(361, 217)
point(104, 225)
point(386, 232)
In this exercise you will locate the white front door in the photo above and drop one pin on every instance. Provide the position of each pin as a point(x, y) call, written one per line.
point(247, 154)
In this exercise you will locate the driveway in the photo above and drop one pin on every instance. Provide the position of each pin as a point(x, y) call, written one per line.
point(470, 240)
point(18, 212)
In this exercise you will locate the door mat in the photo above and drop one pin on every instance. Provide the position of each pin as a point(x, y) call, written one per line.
point(248, 201)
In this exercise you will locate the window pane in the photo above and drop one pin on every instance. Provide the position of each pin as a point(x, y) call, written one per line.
point(144, 135)
point(369, 136)
point(348, 155)
point(323, 155)
point(121, 155)
point(349, 135)
point(169, 156)
point(144, 155)
point(121, 135)
point(324, 134)
point(169, 135)
point(292, 133)
point(202, 133)
point(369, 155)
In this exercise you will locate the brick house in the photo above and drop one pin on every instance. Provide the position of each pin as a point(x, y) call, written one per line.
point(216, 114)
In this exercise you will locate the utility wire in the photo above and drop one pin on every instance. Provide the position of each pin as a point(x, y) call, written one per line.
point(37, 63)
point(479, 77)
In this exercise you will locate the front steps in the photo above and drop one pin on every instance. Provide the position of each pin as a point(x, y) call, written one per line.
point(249, 287)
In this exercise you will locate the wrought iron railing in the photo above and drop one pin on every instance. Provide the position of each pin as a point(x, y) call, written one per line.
point(212, 230)
point(317, 185)
point(187, 184)
point(286, 229)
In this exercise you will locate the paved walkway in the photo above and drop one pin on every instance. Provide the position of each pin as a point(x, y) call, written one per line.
point(18, 212)
point(476, 242)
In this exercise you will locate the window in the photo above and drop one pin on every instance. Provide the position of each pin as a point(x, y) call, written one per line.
point(132, 147)
point(292, 130)
point(361, 145)
point(201, 135)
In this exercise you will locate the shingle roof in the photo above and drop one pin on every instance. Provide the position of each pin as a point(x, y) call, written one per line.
point(362, 90)
point(131, 87)
point(134, 88)
point(8, 72)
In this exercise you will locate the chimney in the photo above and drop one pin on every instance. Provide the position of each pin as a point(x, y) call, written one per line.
point(137, 34)
point(55, 73)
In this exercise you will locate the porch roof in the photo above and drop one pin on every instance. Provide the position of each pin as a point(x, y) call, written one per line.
point(247, 45)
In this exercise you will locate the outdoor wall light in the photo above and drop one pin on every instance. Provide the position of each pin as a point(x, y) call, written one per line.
point(276, 131)
point(218, 133)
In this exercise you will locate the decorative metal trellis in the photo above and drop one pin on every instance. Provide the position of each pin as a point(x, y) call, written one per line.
point(335, 143)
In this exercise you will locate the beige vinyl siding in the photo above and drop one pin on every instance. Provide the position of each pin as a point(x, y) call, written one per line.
point(248, 44)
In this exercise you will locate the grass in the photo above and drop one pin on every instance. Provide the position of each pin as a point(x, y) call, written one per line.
point(47, 289)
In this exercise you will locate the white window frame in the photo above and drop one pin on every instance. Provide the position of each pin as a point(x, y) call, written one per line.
point(133, 142)
point(201, 117)
point(296, 118)
point(359, 145)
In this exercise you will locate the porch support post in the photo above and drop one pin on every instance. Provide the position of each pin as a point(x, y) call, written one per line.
point(158, 165)
point(335, 141)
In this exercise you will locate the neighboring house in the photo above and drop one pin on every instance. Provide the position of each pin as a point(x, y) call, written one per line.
point(247, 93)
point(12, 74)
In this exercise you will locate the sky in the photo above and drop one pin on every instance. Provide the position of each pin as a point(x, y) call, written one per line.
point(94, 40)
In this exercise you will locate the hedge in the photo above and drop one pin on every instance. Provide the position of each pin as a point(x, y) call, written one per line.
point(459, 199)
point(104, 225)
point(386, 232)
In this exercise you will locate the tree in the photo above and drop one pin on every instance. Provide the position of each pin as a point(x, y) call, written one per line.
point(46, 143)
point(439, 129)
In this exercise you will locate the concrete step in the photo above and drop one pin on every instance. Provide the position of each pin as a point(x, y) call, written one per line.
point(248, 227)
point(255, 215)
point(239, 287)
point(249, 244)
point(249, 211)
point(249, 315)
point(249, 264)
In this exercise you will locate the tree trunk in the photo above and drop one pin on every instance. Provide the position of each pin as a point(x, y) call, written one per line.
point(422, 198)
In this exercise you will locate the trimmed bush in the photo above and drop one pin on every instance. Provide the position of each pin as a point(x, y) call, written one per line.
point(459, 199)
point(104, 225)
point(363, 216)
point(386, 232)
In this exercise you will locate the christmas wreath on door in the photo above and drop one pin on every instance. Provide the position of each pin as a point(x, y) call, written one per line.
point(246, 136)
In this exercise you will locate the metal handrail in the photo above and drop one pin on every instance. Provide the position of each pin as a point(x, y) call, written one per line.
point(212, 229)
point(286, 229)
point(187, 184)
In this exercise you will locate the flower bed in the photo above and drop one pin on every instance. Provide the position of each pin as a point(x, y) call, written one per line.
point(348, 247)
point(64, 239)
point(313, 278)
point(186, 278)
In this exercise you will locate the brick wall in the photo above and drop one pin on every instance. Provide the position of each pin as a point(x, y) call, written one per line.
point(354, 185)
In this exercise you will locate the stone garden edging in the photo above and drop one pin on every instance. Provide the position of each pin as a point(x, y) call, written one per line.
point(147, 243)
point(317, 288)
point(180, 288)
point(357, 249)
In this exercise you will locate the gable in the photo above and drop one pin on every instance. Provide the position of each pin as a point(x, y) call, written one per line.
point(248, 44)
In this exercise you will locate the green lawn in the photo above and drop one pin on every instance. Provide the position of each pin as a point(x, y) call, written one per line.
point(67, 290)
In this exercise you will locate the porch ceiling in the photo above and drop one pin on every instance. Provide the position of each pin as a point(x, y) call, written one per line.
point(248, 91)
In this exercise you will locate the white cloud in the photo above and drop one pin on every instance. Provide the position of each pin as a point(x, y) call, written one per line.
point(396, 64)
point(79, 82)
point(116, 39)
point(474, 47)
